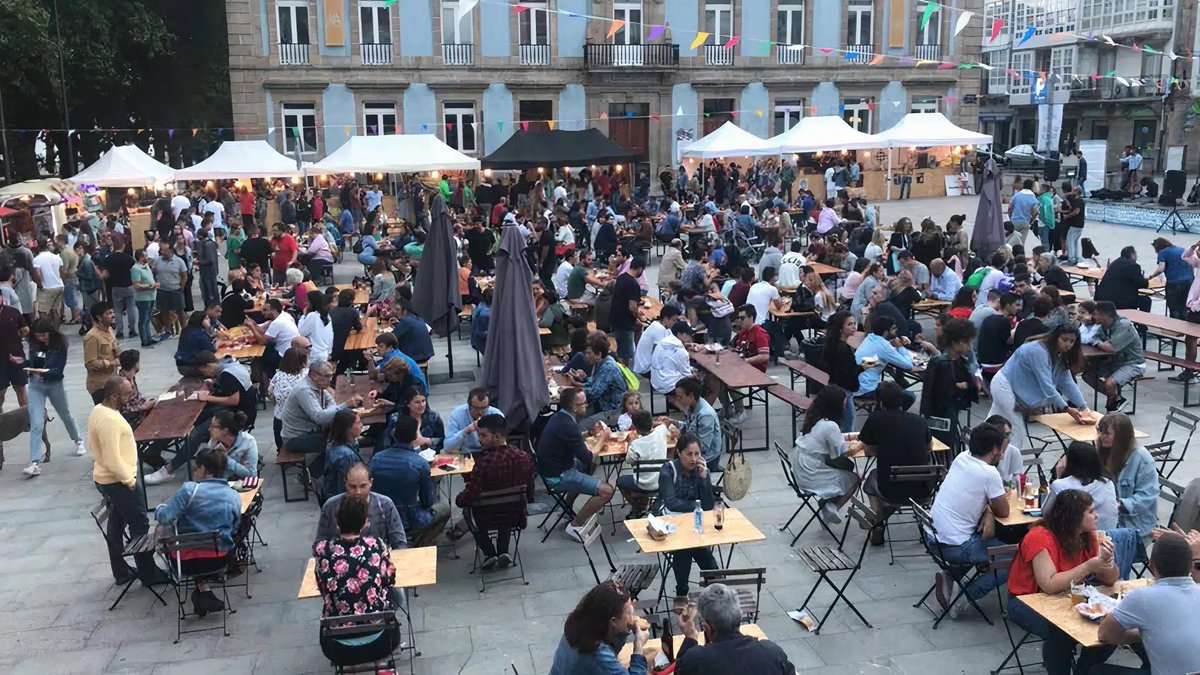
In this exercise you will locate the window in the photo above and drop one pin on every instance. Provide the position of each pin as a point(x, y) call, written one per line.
point(993, 10)
point(1062, 64)
point(926, 104)
point(293, 22)
point(790, 23)
point(997, 77)
point(787, 113)
point(534, 23)
point(299, 126)
point(1022, 63)
point(860, 23)
point(857, 113)
point(1100, 131)
point(379, 119)
point(456, 24)
point(718, 21)
point(631, 14)
point(374, 22)
point(931, 34)
point(459, 120)
point(717, 111)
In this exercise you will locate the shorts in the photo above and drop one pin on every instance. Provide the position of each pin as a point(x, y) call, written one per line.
point(574, 481)
point(1126, 374)
point(13, 375)
point(169, 301)
point(50, 301)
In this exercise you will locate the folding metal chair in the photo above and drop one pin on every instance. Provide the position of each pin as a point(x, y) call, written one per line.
point(489, 501)
point(361, 643)
point(1164, 450)
point(807, 500)
point(646, 467)
point(929, 474)
point(826, 560)
point(170, 549)
point(741, 580)
point(1001, 558)
point(561, 508)
point(130, 547)
point(962, 574)
point(636, 577)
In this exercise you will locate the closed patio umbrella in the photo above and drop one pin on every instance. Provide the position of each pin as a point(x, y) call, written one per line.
point(435, 291)
point(513, 371)
point(989, 219)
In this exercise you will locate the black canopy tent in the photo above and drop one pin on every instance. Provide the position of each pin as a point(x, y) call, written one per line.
point(558, 148)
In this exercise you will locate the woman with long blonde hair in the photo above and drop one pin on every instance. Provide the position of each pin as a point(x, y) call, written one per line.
point(1131, 467)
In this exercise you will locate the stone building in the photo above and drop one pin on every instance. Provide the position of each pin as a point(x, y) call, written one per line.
point(471, 72)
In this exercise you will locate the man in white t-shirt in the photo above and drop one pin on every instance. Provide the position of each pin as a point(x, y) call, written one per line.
point(218, 210)
point(178, 204)
point(277, 331)
point(964, 515)
point(763, 295)
point(47, 267)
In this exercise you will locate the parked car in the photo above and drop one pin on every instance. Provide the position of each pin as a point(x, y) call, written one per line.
point(1024, 157)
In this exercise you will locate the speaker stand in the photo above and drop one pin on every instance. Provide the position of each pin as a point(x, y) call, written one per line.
point(1175, 220)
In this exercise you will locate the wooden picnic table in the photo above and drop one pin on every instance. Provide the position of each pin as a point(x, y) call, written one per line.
point(652, 647)
point(359, 340)
point(414, 567)
point(246, 347)
point(736, 373)
point(1016, 512)
point(1162, 323)
point(1062, 424)
point(930, 306)
point(1058, 610)
point(1094, 274)
point(649, 309)
point(824, 270)
point(362, 296)
point(361, 384)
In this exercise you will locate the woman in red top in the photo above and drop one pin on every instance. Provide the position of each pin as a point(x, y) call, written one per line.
point(1063, 550)
point(963, 305)
point(286, 252)
point(246, 206)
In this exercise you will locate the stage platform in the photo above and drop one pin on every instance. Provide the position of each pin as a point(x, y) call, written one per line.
point(1145, 215)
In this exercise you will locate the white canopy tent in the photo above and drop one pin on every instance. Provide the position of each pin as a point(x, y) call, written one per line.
point(926, 130)
point(822, 134)
point(242, 159)
point(729, 140)
point(125, 166)
point(397, 153)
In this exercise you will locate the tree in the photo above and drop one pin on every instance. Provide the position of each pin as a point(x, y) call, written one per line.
point(128, 65)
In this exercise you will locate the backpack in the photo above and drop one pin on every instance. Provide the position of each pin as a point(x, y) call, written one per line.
point(358, 246)
point(976, 279)
point(631, 380)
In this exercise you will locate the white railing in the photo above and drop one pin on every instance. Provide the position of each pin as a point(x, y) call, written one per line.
point(376, 53)
point(928, 52)
point(458, 54)
point(535, 55)
point(293, 54)
point(788, 56)
point(865, 52)
point(718, 55)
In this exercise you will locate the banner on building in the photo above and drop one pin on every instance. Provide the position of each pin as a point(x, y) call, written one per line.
point(1050, 118)
point(335, 23)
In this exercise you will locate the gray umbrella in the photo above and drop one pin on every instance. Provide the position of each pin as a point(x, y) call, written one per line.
point(512, 363)
point(989, 219)
point(435, 291)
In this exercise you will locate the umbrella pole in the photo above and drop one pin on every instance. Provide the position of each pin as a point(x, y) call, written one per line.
point(450, 314)
point(889, 175)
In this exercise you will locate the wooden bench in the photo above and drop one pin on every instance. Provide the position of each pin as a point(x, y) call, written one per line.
point(1173, 362)
point(424, 366)
point(1133, 408)
point(287, 460)
point(799, 402)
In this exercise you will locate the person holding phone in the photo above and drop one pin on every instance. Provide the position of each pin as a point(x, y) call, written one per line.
point(47, 359)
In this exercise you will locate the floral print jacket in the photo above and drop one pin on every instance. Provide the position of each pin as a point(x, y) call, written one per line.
point(354, 575)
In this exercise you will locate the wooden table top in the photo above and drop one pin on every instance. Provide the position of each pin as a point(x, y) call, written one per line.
point(649, 309)
point(618, 443)
point(732, 371)
point(1160, 322)
point(1064, 424)
point(930, 304)
point(738, 529)
point(824, 270)
point(464, 464)
point(362, 296)
point(1058, 610)
point(359, 340)
point(168, 420)
point(348, 385)
point(652, 647)
point(936, 445)
point(414, 567)
point(1096, 274)
point(248, 496)
point(251, 350)
point(1016, 512)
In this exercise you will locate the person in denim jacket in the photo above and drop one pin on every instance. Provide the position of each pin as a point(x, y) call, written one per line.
point(596, 630)
point(241, 449)
point(1132, 468)
point(206, 504)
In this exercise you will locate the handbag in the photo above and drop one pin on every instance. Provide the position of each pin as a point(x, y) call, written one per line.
point(842, 463)
point(737, 478)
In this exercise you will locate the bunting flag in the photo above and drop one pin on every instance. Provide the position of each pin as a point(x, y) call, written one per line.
point(871, 105)
point(930, 8)
point(170, 133)
point(997, 24)
point(449, 126)
point(1135, 47)
point(758, 112)
point(877, 60)
point(812, 110)
point(963, 20)
point(1122, 81)
point(615, 26)
point(517, 9)
point(139, 131)
point(474, 127)
point(678, 113)
point(603, 115)
point(700, 38)
point(500, 126)
point(655, 117)
point(1108, 40)
point(550, 123)
point(895, 104)
point(346, 130)
point(850, 56)
point(1012, 73)
point(826, 50)
point(629, 113)
point(735, 113)
point(194, 131)
point(1028, 34)
point(766, 48)
point(398, 129)
point(525, 126)
point(1171, 54)
point(371, 129)
point(1150, 50)
point(389, 3)
point(732, 42)
point(945, 65)
point(951, 99)
point(655, 33)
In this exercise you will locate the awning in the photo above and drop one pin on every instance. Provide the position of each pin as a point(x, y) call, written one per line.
point(125, 166)
point(394, 153)
point(242, 159)
point(823, 133)
point(928, 130)
point(729, 140)
point(532, 149)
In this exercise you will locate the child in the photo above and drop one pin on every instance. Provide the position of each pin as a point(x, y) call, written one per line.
point(650, 445)
point(631, 403)
point(1088, 329)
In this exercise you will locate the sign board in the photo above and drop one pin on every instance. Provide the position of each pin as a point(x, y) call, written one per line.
point(1050, 118)
point(953, 188)
point(335, 23)
point(1176, 157)
point(1094, 153)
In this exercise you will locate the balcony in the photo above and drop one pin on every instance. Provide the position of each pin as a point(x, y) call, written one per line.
point(865, 52)
point(789, 57)
point(718, 55)
point(650, 57)
point(535, 55)
point(928, 52)
point(376, 53)
point(293, 54)
point(458, 54)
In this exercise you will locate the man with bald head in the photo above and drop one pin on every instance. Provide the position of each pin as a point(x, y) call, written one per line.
point(383, 520)
point(944, 282)
point(302, 345)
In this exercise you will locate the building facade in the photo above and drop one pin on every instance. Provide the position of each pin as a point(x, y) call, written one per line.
point(315, 72)
point(1126, 96)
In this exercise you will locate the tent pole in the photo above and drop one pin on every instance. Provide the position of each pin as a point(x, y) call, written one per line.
point(889, 175)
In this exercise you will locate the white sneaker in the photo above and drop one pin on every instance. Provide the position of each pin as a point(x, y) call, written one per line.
point(158, 477)
point(739, 419)
point(957, 608)
point(80, 450)
point(34, 469)
point(573, 533)
point(829, 513)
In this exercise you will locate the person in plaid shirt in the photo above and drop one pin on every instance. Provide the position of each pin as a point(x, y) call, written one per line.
point(498, 465)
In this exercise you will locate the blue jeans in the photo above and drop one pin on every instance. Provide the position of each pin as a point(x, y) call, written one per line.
point(41, 391)
point(848, 420)
point(681, 563)
point(625, 347)
point(1126, 545)
point(208, 286)
point(71, 294)
point(1074, 234)
point(1044, 236)
point(145, 310)
point(1057, 646)
point(974, 552)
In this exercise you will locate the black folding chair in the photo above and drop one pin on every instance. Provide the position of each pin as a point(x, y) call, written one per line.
point(746, 582)
point(928, 474)
point(646, 467)
point(807, 500)
point(171, 548)
point(561, 508)
point(1001, 558)
point(361, 643)
point(962, 574)
point(130, 547)
point(826, 560)
point(1163, 451)
point(489, 501)
point(635, 577)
